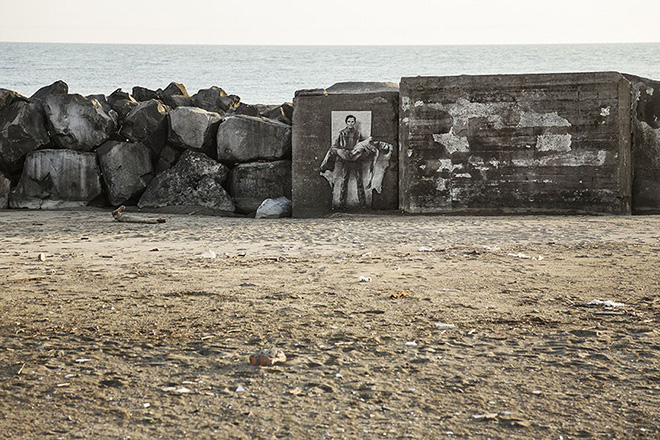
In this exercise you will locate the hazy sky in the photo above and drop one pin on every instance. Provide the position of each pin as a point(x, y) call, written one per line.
point(337, 22)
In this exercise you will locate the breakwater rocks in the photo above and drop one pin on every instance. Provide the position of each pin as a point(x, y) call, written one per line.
point(162, 148)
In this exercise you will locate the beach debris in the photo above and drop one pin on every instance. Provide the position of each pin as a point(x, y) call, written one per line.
point(82, 360)
point(411, 344)
point(489, 416)
point(42, 256)
point(607, 303)
point(519, 255)
point(364, 279)
point(208, 254)
point(400, 294)
point(267, 358)
point(175, 390)
point(426, 249)
point(444, 326)
point(240, 389)
point(118, 214)
point(296, 391)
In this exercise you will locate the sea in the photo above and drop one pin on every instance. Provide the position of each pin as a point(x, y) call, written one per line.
point(272, 74)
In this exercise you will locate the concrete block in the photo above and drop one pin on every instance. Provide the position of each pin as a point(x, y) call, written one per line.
point(344, 165)
point(516, 143)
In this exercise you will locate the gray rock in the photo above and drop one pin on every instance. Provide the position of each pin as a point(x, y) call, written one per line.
point(215, 100)
point(168, 156)
point(282, 113)
point(247, 138)
point(252, 183)
point(192, 127)
point(274, 208)
point(5, 186)
point(246, 109)
point(57, 179)
point(57, 88)
point(175, 101)
point(195, 181)
point(77, 123)
point(122, 103)
point(174, 89)
point(126, 169)
point(147, 123)
point(22, 130)
point(8, 97)
point(143, 94)
point(102, 100)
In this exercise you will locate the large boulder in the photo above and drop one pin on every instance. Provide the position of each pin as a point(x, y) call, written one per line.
point(246, 139)
point(122, 103)
point(192, 127)
point(167, 158)
point(274, 208)
point(176, 95)
point(57, 88)
point(126, 169)
point(8, 97)
point(147, 123)
point(57, 179)
point(215, 100)
point(22, 130)
point(252, 183)
point(5, 186)
point(195, 181)
point(282, 113)
point(144, 94)
point(103, 100)
point(77, 123)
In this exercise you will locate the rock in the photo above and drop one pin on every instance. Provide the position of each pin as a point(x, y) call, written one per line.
point(167, 158)
point(252, 183)
point(247, 138)
point(5, 187)
point(77, 123)
point(8, 97)
point(126, 169)
point(191, 127)
point(175, 101)
point(176, 95)
point(282, 113)
point(274, 208)
point(215, 100)
point(175, 88)
point(143, 94)
point(102, 100)
point(195, 181)
point(57, 88)
point(22, 130)
point(57, 179)
point(147, 123)
point(245, 109)
point(122, 103)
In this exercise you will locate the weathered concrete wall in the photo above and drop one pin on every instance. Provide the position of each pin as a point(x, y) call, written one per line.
point(319, 173)
point(516, 143)
point(646, 145)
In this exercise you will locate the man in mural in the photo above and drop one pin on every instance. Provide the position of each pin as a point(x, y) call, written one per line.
point(352, 157)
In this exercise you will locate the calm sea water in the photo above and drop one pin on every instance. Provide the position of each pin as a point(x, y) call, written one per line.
point(272, 74)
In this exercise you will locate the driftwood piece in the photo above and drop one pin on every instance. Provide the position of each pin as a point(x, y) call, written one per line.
point(118, 215)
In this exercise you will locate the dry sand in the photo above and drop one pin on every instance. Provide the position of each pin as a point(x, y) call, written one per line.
point(470, 327)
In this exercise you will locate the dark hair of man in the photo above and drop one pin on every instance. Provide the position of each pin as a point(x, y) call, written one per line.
point(349, 117)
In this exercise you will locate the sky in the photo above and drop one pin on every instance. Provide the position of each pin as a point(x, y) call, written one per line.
point(340, 22)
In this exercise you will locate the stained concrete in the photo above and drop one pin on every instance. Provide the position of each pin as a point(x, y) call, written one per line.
point(377, 108)
point(516, 143)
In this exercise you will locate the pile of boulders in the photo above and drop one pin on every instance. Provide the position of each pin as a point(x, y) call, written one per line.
point(149, 148)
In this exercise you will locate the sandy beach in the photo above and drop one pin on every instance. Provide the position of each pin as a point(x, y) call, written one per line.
point(392, 326)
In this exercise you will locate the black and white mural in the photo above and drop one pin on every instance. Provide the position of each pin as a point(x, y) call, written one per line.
point(355, 163)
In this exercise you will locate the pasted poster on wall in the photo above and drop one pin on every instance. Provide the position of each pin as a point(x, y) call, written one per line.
point(355, 163)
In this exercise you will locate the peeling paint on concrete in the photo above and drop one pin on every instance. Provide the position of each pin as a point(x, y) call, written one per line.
point(463, 175)
point(572, 159)
point(405, 103)
point(452, 142)
point(534, 119)
point(553, 142)
point(605, 111)
point(419, 103)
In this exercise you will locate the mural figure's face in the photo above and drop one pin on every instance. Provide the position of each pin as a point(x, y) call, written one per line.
point(350, 122)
